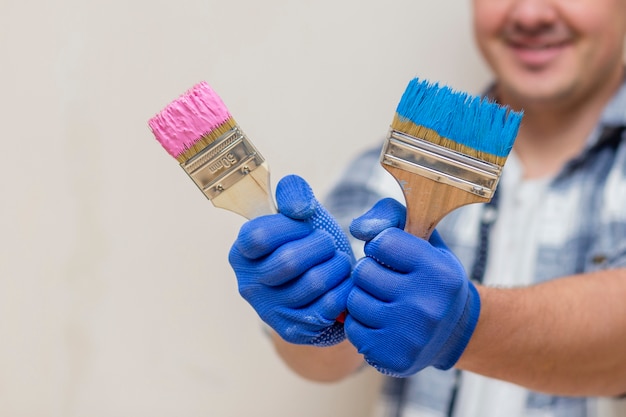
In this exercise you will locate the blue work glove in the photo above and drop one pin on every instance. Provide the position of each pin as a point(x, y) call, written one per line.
point(294, 267)
point(412, 305)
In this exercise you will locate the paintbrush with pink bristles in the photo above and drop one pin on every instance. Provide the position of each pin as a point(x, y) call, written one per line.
point(198, 130)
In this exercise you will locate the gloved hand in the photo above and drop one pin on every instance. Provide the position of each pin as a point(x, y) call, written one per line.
point(294, 267)
point(412, 305)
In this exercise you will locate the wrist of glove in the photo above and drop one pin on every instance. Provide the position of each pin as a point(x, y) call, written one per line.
point(294, 267)
point(412, 305)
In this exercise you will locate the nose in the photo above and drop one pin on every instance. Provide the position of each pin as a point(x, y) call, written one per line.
point(533, 15)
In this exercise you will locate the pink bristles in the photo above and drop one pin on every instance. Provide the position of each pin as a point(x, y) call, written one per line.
point(187, 119)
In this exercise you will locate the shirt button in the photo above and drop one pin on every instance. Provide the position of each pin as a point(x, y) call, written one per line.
point(598, 259)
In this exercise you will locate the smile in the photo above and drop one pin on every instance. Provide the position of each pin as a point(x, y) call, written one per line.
point(537, 54)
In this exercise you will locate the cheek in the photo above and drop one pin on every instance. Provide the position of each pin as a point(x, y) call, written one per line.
point(600, 20)
point(601, 29)
point(489, 17)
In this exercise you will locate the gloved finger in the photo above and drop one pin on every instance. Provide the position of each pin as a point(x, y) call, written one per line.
point(333, 303)
point(294, 258)
point(261, 236)
point(400, 250)
point(378, 280)
point(312, 284)
point(368, 310)
point(295, 198)
point(294, 327)
point(374, 344)
point(307, 322)
point(384, 214)
point(360, 335)
point(285, 263)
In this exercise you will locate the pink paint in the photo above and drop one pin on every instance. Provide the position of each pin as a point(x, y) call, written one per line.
point(185, 120)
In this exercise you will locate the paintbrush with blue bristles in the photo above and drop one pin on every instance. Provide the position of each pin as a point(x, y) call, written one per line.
point(446, 149)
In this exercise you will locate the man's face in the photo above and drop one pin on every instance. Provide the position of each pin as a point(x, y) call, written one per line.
point(547, 50)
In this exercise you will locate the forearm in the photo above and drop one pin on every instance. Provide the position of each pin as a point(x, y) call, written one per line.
point(322, 364)
point(566, 336)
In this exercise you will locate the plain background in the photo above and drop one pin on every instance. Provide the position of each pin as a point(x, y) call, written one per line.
point(116, 297)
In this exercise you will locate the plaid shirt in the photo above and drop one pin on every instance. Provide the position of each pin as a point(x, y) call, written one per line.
point(580, 227)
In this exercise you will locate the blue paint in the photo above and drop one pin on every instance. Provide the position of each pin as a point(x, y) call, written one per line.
point(403, 185)
point(475, 122)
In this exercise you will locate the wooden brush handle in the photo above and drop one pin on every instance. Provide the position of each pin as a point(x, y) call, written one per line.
point(250, 197)
point(428, 201)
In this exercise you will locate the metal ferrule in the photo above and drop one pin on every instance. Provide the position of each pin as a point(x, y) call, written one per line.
point(440, 164)
point(223, 163)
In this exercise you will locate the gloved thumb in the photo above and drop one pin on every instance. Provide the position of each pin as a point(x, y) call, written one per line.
point(294, 198)
point(385, 214)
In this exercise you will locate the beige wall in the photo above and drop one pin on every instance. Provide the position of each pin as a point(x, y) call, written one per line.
point(116, 297)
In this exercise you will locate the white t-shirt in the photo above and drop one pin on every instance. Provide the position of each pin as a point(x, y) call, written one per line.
point(515, 232)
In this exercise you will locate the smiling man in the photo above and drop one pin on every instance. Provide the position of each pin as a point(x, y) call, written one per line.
point(559, 61)
point(547, 256)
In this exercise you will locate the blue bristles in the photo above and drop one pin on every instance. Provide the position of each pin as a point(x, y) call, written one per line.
point(474, 122)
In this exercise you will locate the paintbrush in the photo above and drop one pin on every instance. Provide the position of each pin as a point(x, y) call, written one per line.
point(198, 130)
point(446, 149)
